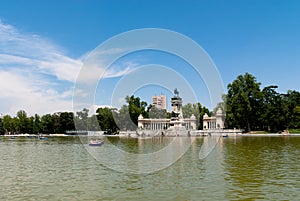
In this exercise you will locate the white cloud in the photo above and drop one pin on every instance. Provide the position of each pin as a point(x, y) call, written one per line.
point(19, 92)
point(120, 69)
point(64, 68)
point(93, 71)
point(36, 74)
point(33, 52)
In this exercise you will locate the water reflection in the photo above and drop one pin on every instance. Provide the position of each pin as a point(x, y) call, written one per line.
point(141, 155)
point(260, 167)
point(242, 168)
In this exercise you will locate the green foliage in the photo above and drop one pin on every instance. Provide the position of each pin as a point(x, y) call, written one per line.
point(47, 124)
point(67, 121)
point(106, 119)
point(156, 113)
point(243, 102)
point(92, 123)
point(81, 119)
point(136, 107)
point(250, 108)
point(294, 130)
point(273, 110)
point(202, 110)
point(55, 123)
point(22, 121)
point(195, 109)
point(246, 105)
point(2, 131)
point(37, 124)
point(293, 103)
point(189, 109)
point(127, 117)
point(221, 105)
point(297, 110)
point(123, 119)
point(7, 123)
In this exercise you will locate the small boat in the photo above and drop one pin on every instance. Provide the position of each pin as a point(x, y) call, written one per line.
point(12, 138)
point(96, 142)
point(43, 138)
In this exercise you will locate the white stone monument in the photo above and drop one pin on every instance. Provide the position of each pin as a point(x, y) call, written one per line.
point(176, 128)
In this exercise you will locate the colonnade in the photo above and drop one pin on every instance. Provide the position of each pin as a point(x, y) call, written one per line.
point(210, 124)
point(188, 126)
point(156, 125)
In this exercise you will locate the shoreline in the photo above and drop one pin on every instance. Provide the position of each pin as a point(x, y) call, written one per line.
point(229, 135)
point(269, 134)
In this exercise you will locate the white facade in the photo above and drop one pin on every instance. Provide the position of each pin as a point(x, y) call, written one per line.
point(215, 122)
point(164, 124)
point(176, 120)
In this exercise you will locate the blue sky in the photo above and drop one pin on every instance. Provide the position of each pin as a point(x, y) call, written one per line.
point(43, 44)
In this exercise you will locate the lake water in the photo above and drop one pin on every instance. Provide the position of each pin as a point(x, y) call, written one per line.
point(238, 168)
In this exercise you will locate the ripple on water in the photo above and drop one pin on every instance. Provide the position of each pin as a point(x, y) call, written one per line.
point(246, 168)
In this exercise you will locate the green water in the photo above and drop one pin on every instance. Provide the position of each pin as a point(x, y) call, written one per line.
point(241, 168)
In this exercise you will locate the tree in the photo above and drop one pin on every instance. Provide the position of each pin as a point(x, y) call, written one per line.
point(123, 119)
point(135, 108)
point(196, 109)
point(37, 124)
point(81, 119)
point(57, 127)
point(192, 109)
point(203, 110)
point(221, 105)
point(15, 125)
point(66, 121)
point(47, 124)
point(30, 124)
point(22, 121)
point(293, 101)
point(2, 131)
point(296, 119)
point(92, 123)
point(106, 119)
point(274, 110)
point(189, 109)
point(243, 102)
point(156, 113)
point(83, 114)
point(7, 124)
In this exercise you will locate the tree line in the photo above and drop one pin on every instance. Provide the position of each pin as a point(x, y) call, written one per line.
point(110, 120)
point(249, 107)
point(49, 123)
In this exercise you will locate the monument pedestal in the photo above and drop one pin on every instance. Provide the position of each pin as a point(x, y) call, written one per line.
point(177, 130)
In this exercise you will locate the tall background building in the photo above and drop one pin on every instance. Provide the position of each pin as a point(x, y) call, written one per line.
point(160, 101)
